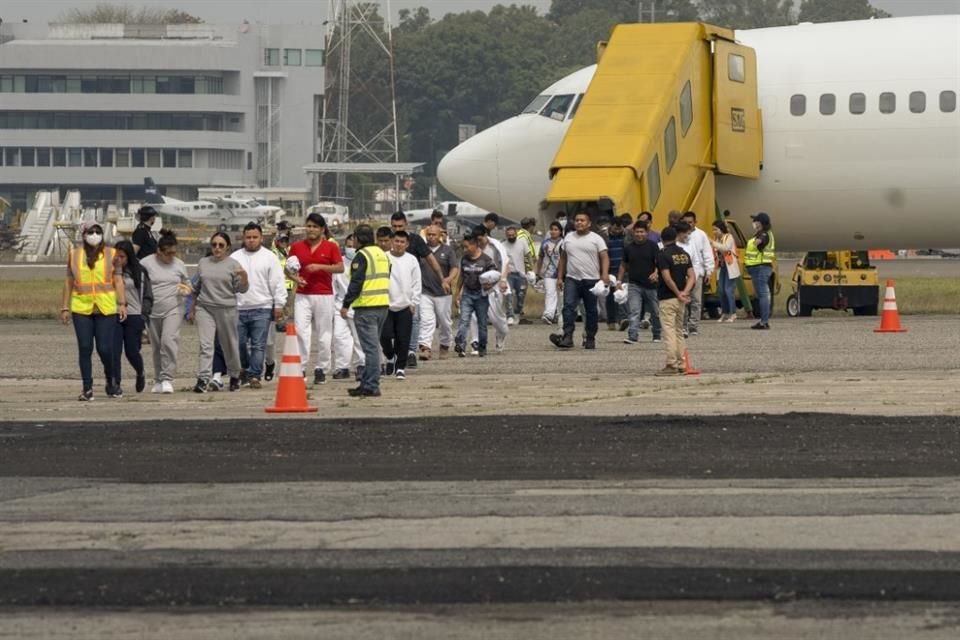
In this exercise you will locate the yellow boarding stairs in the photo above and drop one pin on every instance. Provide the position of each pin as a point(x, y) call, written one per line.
point(670, 106)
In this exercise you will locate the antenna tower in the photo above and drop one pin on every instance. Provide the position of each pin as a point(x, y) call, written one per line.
point(352, 24)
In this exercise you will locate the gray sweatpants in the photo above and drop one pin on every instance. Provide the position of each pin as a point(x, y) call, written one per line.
point(218, 323)
point(165, 340)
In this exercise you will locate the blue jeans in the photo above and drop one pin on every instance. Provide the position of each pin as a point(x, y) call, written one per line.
point(518, 283)
point(369, 323)
point(414, 331)
point(473, 302)
point(102, 330)
point(252, 326)
point(728, 292)
point(573, 292)
point(642, 299)
point(761, 284)
point(127, 340)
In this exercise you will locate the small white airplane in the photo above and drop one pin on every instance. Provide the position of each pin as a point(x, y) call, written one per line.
point(861, 138)
point(227, 212)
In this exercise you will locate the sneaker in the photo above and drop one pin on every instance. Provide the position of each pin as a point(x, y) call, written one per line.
point(656, 339)
point(444, 352)
point(114, 392)
point(481, 352)
point(731, 318)
point(157, 388)
point(669, 371)
point(268, 371)
point(511, 322)
point(215, 385)
point(360, 392)
point(234, 384)
point(761, 325)
point(319, 377)
point(499, 343)
point(425, 353)
point(693, 332)
point(723, 318)
point(546, 320)
point(86, 396)
point(359, 375)
point(341, 374)
point(201, 386)
point(389, 367)
point(244, 378)
point(167, 387)
point(400, 374)
point(524, 321)
point(611, 326)
point(255, 383)
point(624, 324)
point(589, 343)
point(474, 345)
point(644, 324)
point(459, 348)
point(686, 334)
point(629, 340)
point(141, 383)
point(562, 340)
point(411, 360)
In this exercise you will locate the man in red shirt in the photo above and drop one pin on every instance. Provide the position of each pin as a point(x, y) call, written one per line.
point(317, 259)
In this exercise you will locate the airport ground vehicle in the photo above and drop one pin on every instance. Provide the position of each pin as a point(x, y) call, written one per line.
point(834, 280)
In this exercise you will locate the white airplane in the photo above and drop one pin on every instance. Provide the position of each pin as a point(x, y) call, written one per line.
point(872, 162)
point(228, 212)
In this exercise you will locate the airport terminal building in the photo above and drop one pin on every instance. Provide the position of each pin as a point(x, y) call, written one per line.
point(99, 107)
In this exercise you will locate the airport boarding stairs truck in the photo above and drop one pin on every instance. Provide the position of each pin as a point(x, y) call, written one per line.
point(669, 108)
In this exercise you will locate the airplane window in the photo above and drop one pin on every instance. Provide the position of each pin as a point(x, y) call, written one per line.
point(858, 103)
point(828, 104)
point(888, 102)
point(798, 104)
point(653, 182)
point(948, 101)
point(536, 105)
point(686, 108)
point(918, 102)
point(670, 144)
point(736, 68)
point(558, 106)
point(576, 107)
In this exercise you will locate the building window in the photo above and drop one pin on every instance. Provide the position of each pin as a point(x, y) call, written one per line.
point(43, 157)
point(6, 84)
point(858, 103)
point(918, 102)
point(110, 120)
point(653, 182)
point(59, 157)
point(948, 101)
point(28, 157)
point(313, 57)
point(153, 158)
point(828, 104)
point(271, 57)
point(137, 158)
point(292, 57)
point(90, 157)
point(75, 157)
point(11, 156)
point(185, 158)
point(736, 68)
point(169, 158)
point(670, 144)
point(686, 108)
point(888, 102)
point(123, 157)
point(106, 157)
point(798, 104)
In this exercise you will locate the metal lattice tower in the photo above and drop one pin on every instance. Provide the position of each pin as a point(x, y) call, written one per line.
point(351, 22)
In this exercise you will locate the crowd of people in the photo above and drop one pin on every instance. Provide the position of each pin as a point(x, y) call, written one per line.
point(385, 299)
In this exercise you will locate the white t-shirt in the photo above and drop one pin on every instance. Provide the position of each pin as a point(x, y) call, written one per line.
point(518, 252)
point(583, 255)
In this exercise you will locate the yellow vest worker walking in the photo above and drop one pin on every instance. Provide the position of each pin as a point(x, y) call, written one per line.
point(369, 295)
point(758, 259)
point(93, 296)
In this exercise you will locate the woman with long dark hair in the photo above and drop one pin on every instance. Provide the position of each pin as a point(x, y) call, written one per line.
point(94, 298)
point(723, 243)
point(136, 284)
point(170, 283)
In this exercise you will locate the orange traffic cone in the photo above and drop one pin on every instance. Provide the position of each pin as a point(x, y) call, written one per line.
point(890, 320)
point(690, 371)
point(291, 389)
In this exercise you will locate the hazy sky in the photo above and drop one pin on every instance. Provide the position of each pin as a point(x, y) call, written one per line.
point(314, 11)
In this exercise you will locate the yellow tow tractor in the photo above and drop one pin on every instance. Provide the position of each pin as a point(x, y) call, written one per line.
point(838, 280)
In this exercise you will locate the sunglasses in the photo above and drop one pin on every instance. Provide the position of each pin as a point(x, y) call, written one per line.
point(218, 245)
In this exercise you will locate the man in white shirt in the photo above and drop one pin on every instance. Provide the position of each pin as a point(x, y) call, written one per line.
point(262, 303)
point(498, 295)
point(405, 291)
point(583, 263)
point(698, 246)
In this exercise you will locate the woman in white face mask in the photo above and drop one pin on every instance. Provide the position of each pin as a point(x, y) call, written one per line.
point(94, 298)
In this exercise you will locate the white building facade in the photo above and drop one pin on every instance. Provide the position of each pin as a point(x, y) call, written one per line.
point(100, 107)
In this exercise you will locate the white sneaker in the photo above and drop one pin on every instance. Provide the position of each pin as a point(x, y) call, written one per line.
point(731, 318)
point(157, 388)
point(166, 387)
point(511, 322)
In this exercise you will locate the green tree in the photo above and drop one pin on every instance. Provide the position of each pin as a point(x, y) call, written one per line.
point(839, 10)
point(627, 10)
point(106, 13)
point(748, 14)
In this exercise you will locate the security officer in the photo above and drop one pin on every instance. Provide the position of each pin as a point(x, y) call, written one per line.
point(758, 259)
point(280, 248)
point(368, 294)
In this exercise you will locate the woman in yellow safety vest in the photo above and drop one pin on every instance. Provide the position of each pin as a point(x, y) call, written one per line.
point(93, 295)
point(758, 259)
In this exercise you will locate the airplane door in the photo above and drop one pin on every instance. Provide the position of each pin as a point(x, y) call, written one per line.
point(737, 131)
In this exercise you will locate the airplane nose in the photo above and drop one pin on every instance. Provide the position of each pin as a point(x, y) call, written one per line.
point(470, 170)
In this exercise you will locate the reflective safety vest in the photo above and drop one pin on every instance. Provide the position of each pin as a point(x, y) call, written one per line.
point(93, 288)
point(290, 284)
point(753, 256)
point(376, 283)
